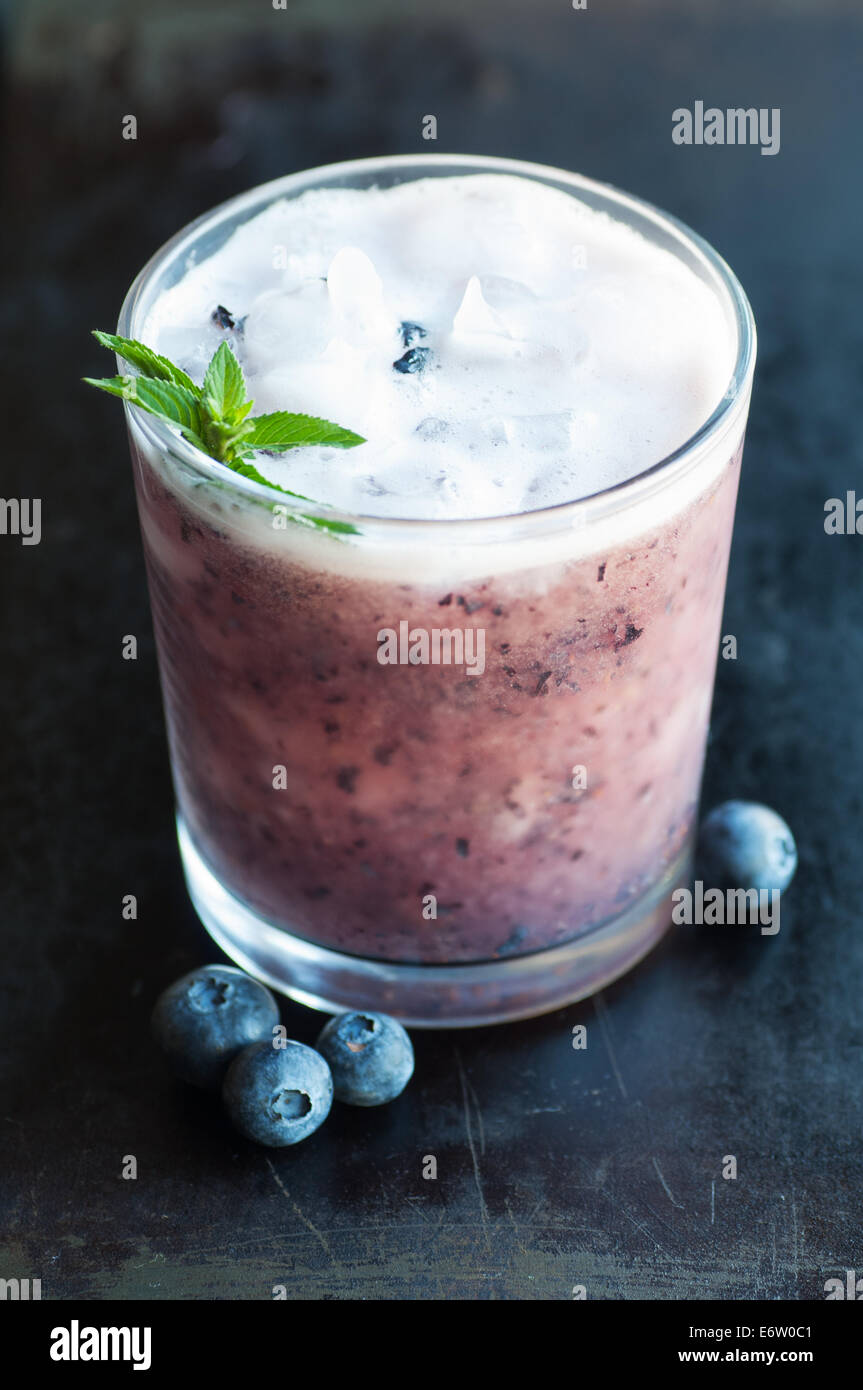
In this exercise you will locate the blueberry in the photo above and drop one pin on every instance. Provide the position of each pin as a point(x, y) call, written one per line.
point(278, 1095)
point(743, 844)
point(222, 317)
point(411, 332)
point(413, 361)
point(203, 1020)
point(370, 1056)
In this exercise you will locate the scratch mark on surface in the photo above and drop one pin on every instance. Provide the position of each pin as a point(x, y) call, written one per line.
point(428, 1245)
point(795, 1242)
point(419, 1211)
point(483, 1210)
point(602, 1015)
point(667, 1189)
point(437, 1226)
point(477, 1111)
point(305, 1220)
point(637, 1224)
point(523, 1248)
point(712, 1202)
point(529, 1220)
point(661, 1219)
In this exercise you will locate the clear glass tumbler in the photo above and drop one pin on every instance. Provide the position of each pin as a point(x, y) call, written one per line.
point(453, 847)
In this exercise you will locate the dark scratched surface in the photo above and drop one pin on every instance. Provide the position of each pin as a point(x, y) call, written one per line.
point(556, 1167)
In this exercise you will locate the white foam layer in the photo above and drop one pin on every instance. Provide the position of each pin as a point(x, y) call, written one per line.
point(565, 353)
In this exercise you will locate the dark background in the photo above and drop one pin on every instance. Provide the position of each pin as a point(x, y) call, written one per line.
point(556, 1167)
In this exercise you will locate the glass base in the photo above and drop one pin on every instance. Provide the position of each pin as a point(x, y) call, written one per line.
point(430, 996)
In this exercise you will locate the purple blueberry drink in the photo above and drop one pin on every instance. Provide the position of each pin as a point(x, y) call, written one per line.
point(437, 737)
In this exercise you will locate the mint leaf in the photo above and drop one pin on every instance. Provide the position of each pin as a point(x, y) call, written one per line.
point(174, 404)
point(115, 385)
point(248, 470)
point(214, 416)
point(145, 359)
point(282, 430)
point(224, 388)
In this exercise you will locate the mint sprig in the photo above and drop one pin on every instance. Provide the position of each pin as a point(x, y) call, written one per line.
point(215, 416)
point(148, 362)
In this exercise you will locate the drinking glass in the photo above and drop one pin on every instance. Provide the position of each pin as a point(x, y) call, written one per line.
point(450, 845)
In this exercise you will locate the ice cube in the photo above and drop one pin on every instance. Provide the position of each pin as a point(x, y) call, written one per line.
point(288, 326)
point(541, 432)
point(502, 293)
point(555, 430)
point(432, 429)
point(370, 487)
point(356, 295)
point(563, 330)
point(464, 486)
point(475, 315)
point(497, 430)
point(318, 388)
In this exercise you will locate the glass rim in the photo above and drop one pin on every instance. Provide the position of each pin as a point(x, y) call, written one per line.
point(560, 515)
